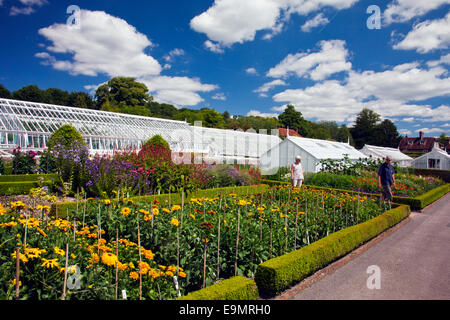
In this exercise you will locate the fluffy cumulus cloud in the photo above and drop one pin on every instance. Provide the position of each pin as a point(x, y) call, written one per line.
point(177, 90)
point(251, 71)
point(427, 36)
point(235, 21)
point(330, 59)
point(393, 92)
point(104, 44)
point(405, 10)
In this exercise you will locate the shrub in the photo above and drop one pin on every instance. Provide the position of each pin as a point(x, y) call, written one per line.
point(324, 179)
point(158, 141)
point(66, 135)
point(23, 163)
point(47, 163)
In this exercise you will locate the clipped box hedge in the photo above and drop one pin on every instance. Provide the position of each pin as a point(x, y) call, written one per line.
point(26, 177)
point(16, 188)
point(236, 288)
point(276, 275)
point(175, 198)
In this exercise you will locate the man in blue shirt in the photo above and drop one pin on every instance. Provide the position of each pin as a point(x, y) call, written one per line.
point(386, 179)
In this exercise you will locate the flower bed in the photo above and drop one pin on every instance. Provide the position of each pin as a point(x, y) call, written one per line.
point(140, 246)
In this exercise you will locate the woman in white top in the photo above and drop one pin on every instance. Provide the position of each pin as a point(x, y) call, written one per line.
point(297, 172)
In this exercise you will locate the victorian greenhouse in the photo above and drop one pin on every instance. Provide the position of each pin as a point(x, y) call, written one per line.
point(29, 125)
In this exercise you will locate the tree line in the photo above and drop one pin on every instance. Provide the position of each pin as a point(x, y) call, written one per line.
point(126, 95)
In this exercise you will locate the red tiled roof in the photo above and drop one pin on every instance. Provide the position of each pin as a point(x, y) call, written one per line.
point(292, 133)
point(415, 144)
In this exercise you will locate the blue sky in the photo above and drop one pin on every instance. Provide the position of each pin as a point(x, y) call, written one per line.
point(248, 57)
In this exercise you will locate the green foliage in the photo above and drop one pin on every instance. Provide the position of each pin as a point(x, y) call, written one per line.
point(2, 167)
point(19, 187)
point(236, 288)
point(275, 275)
point(157, 141)
point(65, 136)
point(47, 163)
point(364, 129)
point(5, 93)
point(26, 177)
point(23, 162)
point(325, 179)
point(425, 199)
point(293, 119)
point(121, 92)
point(31, 93)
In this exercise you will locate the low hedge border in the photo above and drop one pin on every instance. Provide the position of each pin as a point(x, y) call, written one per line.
point(17, 188)
point(276, 275)
point(236, 288)
point(26, 177)
point(175, 198)
point(416, 203)
point(443, 174)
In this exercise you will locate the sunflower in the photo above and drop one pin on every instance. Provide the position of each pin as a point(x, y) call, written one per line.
point(109, 259)
point(125, 211)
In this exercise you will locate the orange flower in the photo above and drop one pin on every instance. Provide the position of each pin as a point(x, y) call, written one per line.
point(134, 275)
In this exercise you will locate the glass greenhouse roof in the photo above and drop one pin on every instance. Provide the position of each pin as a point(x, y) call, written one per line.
point(21, 117)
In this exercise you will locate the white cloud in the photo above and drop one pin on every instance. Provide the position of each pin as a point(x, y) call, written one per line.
point(251, 71)
point(331, 58)
point(411, 119)
point(391, 93)
point(34, 2)
point(15, 11)
point(317, 21)
point(256, 113)
point(219, 96)
point(266, 87)
point(431, 130)
point(213, 47)
point(108, 45)
point(405, 132)
point(174, 53)
point(103, 44)
point(405, 10)
point(443, 60)
point(427, 36)
point(180, 91)
point(236, 21)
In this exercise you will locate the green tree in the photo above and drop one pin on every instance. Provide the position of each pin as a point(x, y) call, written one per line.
point(212, 119)
point(386, 135)
point(5, 93)
point(293, 119)
point(121, 92)
point(365, 128)
point(57, 96)
point(443, 138)
point(31, 93)
point(80, 99)
point(157, 140)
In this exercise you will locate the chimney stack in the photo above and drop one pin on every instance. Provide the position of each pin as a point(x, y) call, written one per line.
point(421, 135)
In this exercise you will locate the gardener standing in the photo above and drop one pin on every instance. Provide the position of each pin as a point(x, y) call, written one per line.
point(386, 179)
point(297, 172)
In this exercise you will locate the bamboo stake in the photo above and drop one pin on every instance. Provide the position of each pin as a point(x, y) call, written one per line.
point(17, 273)
point(117, 263)
point(270, 249)
point(26, 231)
point(84, 208)
point(140, 258)
point(74, 228)
point(295, 233)
point(204, 262)
point(63, 297)
point(357, 211)
point(237, 242)
point(218, 244)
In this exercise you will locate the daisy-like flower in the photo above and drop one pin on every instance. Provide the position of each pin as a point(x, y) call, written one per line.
point(174, 222)
point(49, 263)
point(59, 251)
point(134, 275)
point(125, 211)
point(109, 259)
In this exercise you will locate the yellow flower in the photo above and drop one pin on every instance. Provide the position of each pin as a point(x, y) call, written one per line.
point(125, 211)
point(22, 257)
point(143, 211)
point(18, 205)
point(169, 273)
point(59, 251)
point(134, 275)
point(148, 254)
point(182, 274)
point(155, 211)
point(107, 202)
point(144, 267)
point(49, 263)
point(192, 216)
point(14, 282)
point(122, 266)
point(148, 217)
point(174, 222)
point(94, 258)
point(109, 259)
point(176, 207)
point(166, 210)
point(242, 202)
point(162, 267)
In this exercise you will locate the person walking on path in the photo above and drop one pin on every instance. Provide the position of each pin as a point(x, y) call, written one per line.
point(297, 172)
point(386, 179)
